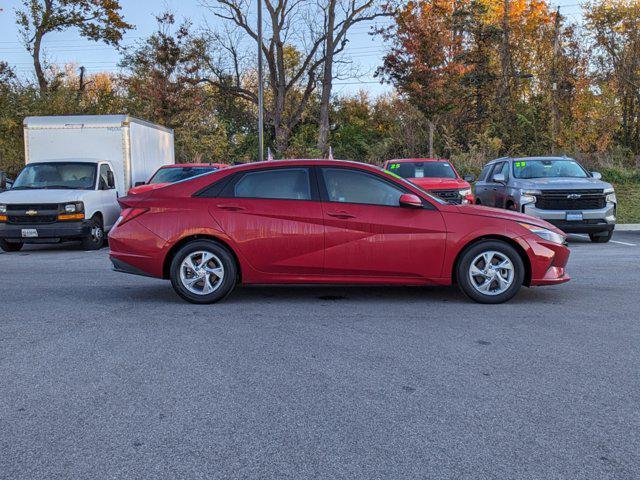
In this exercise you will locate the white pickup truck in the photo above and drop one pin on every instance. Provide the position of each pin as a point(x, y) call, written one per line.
point(76, 168)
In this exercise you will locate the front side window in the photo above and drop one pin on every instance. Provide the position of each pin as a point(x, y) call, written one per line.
point(284, 184)
point(175, 174)
point(57, 175)
point(550, 168)
point(350, 186)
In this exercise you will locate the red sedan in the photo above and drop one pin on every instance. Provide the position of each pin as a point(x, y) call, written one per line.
point(174, 173)
point(328, 222)
point(436, 175)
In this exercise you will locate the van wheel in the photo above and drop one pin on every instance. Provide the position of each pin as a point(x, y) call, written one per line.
point(11, 246)
point(490, 271)
point(95, 240)
point(601, 237)
point(203, 271)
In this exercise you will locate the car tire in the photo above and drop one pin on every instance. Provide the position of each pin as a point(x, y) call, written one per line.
point(601, 237)
point(208, 283)
point(492, 284)
point(11, 246)
point(95, 240)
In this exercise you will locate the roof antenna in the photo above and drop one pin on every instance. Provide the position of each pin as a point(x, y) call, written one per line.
point(269, 155)
point(330, 152)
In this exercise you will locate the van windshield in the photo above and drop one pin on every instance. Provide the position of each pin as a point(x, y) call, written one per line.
point(548, 169)
point(57, 175)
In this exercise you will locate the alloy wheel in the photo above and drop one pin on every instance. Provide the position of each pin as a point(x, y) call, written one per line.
point(201, 272)
point(491, 273)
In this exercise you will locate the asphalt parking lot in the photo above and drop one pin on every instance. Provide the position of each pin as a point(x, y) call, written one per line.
point(104, 375)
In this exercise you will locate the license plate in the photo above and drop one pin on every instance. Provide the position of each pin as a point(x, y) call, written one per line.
point(574, 216)
point(29, 233)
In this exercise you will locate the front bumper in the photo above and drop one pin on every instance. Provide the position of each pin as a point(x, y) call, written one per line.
point(47, 233)
point(548, 260)
point(600, 220)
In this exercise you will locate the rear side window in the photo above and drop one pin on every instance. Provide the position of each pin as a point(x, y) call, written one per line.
point(284, 184)
point(351, 186)
point(485, 173)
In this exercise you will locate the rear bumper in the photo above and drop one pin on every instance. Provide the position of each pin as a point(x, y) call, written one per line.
point(600, 220)
point(50, 232)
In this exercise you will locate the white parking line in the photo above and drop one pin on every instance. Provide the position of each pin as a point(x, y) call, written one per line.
point(612, 241)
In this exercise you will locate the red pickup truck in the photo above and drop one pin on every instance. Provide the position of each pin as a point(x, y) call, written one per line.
point(435, 175)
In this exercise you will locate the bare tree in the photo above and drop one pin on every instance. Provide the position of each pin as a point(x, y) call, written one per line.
point(303, 37)
point(97, 20)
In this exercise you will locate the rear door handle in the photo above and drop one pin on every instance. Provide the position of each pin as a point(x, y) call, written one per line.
point(231, 208)
point(342, 215)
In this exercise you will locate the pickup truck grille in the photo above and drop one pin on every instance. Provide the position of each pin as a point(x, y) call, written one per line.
point(451, 196)
point(591, 199)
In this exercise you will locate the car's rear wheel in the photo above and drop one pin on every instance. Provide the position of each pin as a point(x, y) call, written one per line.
point(203, 271)
point(601, 237)
point(11, 246)
point(490, 271)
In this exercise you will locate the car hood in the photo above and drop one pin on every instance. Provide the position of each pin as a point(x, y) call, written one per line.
point(146, 188)
point(562, 183)
point(42, 196)
point(439, 183)
point(479, 210)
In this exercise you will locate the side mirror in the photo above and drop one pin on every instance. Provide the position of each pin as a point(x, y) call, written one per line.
point(137, 184)
point(469, 178)
point(499, 178)
point(410, 200)
point(596, 175)
point(111, 181)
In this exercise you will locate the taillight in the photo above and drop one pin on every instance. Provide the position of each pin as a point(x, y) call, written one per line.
point(129, 214)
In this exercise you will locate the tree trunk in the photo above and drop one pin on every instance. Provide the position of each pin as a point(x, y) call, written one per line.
point(432, 128)
point(37, 65)
point(327, 81)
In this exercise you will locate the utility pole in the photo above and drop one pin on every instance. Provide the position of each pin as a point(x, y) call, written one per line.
point(505, 54)
point(260, 88)
point(81, 83)
point(555, 121)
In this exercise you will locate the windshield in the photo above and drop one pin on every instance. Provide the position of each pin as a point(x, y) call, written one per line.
point(548, 169)
point(57, 175)
point(175, 174)
point(423, 169)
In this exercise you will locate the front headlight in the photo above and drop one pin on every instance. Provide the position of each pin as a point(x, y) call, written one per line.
point(3, 209)
point(611, 196)
point(75, 207)
point(549, 235)
point(465, 192)
point(528, 197)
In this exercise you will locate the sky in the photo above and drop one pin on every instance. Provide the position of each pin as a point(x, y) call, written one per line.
point(364, 50)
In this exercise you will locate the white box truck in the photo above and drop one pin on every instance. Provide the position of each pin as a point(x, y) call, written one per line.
point(76, 168)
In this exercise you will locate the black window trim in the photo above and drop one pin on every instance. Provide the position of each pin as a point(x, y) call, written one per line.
point(324, 194)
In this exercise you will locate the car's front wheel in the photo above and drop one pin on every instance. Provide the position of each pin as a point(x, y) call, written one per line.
point(10, 246)
point(490, 271)
point(203, 271)
point(95, 239)
point(601, 237)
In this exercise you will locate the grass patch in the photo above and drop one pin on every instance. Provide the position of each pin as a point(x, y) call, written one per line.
point(628, 194)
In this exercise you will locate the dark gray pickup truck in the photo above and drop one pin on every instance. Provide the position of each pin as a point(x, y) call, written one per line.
point(556, 189)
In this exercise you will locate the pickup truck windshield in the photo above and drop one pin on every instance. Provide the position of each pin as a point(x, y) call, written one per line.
point(548, 169)
point(57, 175)
point(175, 174)
point(422, 169)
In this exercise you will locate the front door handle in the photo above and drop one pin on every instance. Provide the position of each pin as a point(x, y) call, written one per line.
point(231, 208)
point(342, 215)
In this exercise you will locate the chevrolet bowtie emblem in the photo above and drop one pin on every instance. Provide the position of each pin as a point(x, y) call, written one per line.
point(31, 213)
point(574, 196)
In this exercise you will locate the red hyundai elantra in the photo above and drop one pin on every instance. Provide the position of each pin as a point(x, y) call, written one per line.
point(328, 222)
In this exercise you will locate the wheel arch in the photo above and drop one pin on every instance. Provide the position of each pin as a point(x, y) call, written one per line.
point(166, 265)
point(517, 247)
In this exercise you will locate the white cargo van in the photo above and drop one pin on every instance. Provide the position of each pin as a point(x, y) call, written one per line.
point(76, 168)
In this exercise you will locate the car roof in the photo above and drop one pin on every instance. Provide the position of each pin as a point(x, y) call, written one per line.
point(408, 160)
point(198, 165)
point(299, 162)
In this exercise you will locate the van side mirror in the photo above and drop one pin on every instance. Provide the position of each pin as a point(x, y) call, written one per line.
point(499, 178)
point(411, 201)
point(596, 175)
point(111, 181)
point(469, 178)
